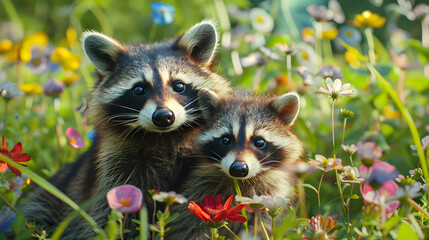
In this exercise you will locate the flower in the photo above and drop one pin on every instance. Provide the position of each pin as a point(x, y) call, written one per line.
point(352, 59)
point(325, 164)
point(271, 54)
point(5, 45)
point(397, 38)
point(379, 172)
point(425, 144)
point(289, 49)
point(74, 138)
point(329, 31)
point(9, 91)
point(255, 58)
point(31, 88)
point(368, 151)
point(378, 197)
point(71, 38)
point(335, 89)
point(367, 18)
point(408, 192)
point(67, 59)
point(91, 135)
point(162, 13)
point(320, 228)
point(213, 213)
point(307, 56)
point(53, 87)
point(347, 113)
point(350, 149)
point(330, 71)
point(15, 185)
point(401, 61)
point(7, 216)
point(272, 205)
point(15, 154)
point(320, 13)
point(350, 35)
point(40, 59)
point(256, 40)
point(421, 10)
point(350, 174)
point(125, 198)
point(307, 35)
point(169, 197)
point(335, 7)
point(306, 74)
point(261, 20)
point(70, 78)
point(22, 51)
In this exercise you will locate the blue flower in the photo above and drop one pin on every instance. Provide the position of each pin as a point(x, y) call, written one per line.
point(350, 35)
point(162, 13)
point(7, 216)
point(40, 61)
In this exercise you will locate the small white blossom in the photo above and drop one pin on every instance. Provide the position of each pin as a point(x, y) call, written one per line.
point(169, 197)
point(261, 20)
point(350, 174)
point(336, 89)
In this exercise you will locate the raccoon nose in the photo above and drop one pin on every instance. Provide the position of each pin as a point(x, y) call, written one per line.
point(163, 117)
point(239, 169)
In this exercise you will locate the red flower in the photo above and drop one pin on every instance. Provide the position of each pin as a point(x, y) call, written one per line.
point(214, 208)
point(15, 154)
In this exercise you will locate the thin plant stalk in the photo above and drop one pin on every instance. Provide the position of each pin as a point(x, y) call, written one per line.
point(333, 129)
point(288, 69)
point(123, 225)
point(344, 133)
point(318, 34)
point(6, 107)
point(289, 19)
point(13, 14)
point(233, 234)
point(262, 226)
point(243, 211)
point(152, 32)
point(153, 217)
point(401, 85)
point(255, 230)
point(327, 48)
point(272, 228)
point(56, 192)
point(371, 48)
point(257, 78)
point(318, 190)
point(213, 233)
point(143, 223)
point(58, 129)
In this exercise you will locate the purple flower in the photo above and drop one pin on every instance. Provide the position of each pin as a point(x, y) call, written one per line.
point(162, 13)
point(330, 71)
point(320, 13)
point(379, 172)
point(125, 198)
point(74, 138)
point(53, 87)
point(368, 151)
point(40, 61)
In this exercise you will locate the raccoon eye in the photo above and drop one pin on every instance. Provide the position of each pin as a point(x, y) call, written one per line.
point(139, 91)
point(179, 87)
point(260, 143)
point(225, 141)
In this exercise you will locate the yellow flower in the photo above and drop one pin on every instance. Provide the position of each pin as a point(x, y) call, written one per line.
point(70, 78)
point(71, 37)
point(5, 45)
point(32, 88)
point(367, 18)
point(68, 60)
point(22, 51)
point(389, 113)
point(330, 34)
point(352, 59)
point(307, 34)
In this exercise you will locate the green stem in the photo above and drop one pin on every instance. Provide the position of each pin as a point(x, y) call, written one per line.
point(143, 223)
point(243, 211)
point(123, 226)
point(371, 48)
point(255, 231)
point(257, 78)
point(152, 31)
point(327, 48)
point(13, 14)
point(262, 226)
point(214, 234)
point(101, 18)
point(272, 228)
point(289, 20)
point(318, 36)
point(6, 107)
point(346, 221)
point(344, 133)
point(333, 129)
point(318, 189)
point(233, 234)
point(222, 13)
point(54, 191)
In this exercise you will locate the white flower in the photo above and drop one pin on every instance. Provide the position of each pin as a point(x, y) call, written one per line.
point(15, 185)
point(325, 164)
point(272, 203)
point(350, 174)
point(350, 149)
point(425, 143)
point(169, 197)
point(261, 20)
point(336, 89)
point(306, 56)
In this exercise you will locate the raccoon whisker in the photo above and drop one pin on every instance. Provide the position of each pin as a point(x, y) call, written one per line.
point(206, 157)
point(268, 162)
point(269, 155)
point(217, 155)
point(194, 100)
point(128, 130)
point(122, 106)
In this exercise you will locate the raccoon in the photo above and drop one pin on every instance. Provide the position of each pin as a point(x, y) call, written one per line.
point(248, 138)
point(143, 106)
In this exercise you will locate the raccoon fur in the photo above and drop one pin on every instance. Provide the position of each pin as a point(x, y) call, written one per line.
point(248, 138)
point(143, 107)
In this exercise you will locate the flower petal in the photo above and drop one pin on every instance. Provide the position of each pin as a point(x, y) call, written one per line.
point(337, 85)
point(235, 209)
point(14, 170)
point(198, 212)
point(4, 144)
point(324, 90)
point(209, 202)
point(3, 167)
point(345, 93)
point(16, 149)
point(330, 85)
point(220, 217)
point(22, 157)
point(218, 201)
point(228, 203)
point(237, 218)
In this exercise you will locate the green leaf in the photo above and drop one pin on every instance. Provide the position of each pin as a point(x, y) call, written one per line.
point(406, 232)
point(392, 222)
point(171, 218)
point(308, 186)
point(153, 228)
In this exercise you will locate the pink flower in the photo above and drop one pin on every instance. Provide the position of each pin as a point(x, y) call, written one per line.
point(379, 172)
point(368, 151)
point(379, 197)
point(74, 138)
point(125, 198)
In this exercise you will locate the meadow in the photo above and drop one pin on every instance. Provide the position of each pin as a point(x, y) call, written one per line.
point(361, 71)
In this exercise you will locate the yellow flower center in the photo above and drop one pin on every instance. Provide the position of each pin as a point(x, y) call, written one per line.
point(72, 141)
point(11, 185)
point(125, 202)
point(260, 19)
point(349, 33)
point(325, 163)
point(304, 55)
point(366, 14)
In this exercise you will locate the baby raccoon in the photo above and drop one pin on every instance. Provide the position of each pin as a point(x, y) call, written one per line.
point(142, 107)
point(247, 138)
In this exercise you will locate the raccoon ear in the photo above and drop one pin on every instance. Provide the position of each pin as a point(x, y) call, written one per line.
point(287, 107)
point(102, 50)
point(208, 101)
point(201, 42)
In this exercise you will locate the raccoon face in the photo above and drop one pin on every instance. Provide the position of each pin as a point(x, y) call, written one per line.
point(250, 135)
point(153, 86)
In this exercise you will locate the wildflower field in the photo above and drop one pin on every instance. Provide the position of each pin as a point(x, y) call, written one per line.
point(361, 69)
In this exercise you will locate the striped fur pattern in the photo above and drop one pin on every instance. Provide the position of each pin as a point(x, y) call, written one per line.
point(243, 131)
point(143, 107)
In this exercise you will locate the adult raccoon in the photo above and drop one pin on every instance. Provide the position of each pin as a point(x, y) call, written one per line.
point(249, 139)
point(143, 106)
